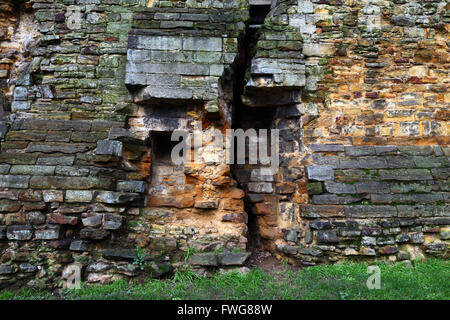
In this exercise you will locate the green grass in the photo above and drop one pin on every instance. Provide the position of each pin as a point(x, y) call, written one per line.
point(428, 280)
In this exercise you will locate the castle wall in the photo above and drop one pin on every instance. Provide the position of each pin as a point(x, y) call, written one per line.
point(358, 90)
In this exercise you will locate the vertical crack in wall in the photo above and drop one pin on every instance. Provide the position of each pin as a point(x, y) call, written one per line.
point(243, 116)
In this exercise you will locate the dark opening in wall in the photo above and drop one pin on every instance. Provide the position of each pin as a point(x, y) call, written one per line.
point(258, 13)
point(162, 146)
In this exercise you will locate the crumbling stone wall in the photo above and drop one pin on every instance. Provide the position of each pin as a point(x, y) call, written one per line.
point(358, 90)
point(372, 165)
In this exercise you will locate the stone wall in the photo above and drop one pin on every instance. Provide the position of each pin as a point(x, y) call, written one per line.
point(358, 90)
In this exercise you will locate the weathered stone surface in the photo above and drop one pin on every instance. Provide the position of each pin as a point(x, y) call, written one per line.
point(112, 221)
point(290, 235)
point(49, 233)
point(27, 268)
point(6, 269)
point(119, 254)
point(367, 211)
point(233, 258)
point(203, 259)
point(337, 187)
point(94, 220)
point(372, 187)
point(19, 233)
point(58, 218)
point(9, 181)
point(406, 174)
point(206, 204)
point(78, 196)
point(9, 206)
point(360, 151)
point(310, 251)
point(94, 234)
point(82, 183)
point(116, 197)
point(260, 187)
point(53, 196)
point(79, 245)
point(109, 147)
point(323, 211)
point(36, 217)
point(319, 173)
point(59, 147)
point(131, 186)
point(335, 199)
point(327, 237)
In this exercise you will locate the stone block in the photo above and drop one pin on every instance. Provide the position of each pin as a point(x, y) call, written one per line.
point(322, 211)
point(36, 217)
point(51, 232)
point(110, 197)
point(6, 269)
point(406, 174)
point(19, 232)
point(10, 181)
point(320, 173)
point(372, 187)
point(339, 187)
point(430, 161)
point(372, 162)
point(327, 147)
point(206, 204)
point(202, 44)
point(109, 147)
point(159, 42)
point(27, 268)
point(319, 225)
point(335, 199)
point(385, 150)
point(409, 211)
point(67, 183)
point(368, 211)
point(233, 258)
point(94, 220)
point(79, 245)
point(53, 196)
point(416, 237)
point(262, 174)
point(20, 106)
point(416, 150)
point(204, 259)
point(58, 218)
point(328, 236)
point(150, 92)
point(94, 234)
point(51, 147)
point(260, 187)
point(131, 186)
point(124, 135)
point(32, 170)
point(318, 49)
point(358, 151)
point(400, 162)
point(112, 221)
point(20, 93)
point(119, 254)
point(393, 198)
point(314, 188)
